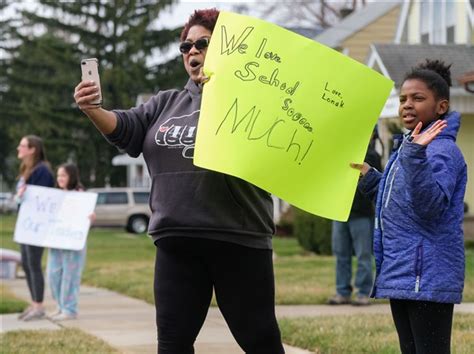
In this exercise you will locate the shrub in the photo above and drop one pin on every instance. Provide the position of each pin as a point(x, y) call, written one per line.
point(313, 232)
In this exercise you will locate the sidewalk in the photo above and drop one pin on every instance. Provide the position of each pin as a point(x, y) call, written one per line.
point(129, 324)
point(125, 323)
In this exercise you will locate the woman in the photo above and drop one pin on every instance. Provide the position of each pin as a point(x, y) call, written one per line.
point(211, 231)
point(34, 170)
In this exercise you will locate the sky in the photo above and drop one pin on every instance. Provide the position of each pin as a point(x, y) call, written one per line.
point(181, 11)
point(172, 17)
point(177, 16)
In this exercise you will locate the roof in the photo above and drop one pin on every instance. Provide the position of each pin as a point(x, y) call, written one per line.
point(400, 58)
point(356, 21)
point(306, 31)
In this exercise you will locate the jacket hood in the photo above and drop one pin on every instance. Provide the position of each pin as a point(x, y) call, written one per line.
point(454, 123)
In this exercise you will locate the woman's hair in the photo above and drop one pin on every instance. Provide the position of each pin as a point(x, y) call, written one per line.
point(27, 167)
point(435, 74)
point(206, 18)
point(72, 171)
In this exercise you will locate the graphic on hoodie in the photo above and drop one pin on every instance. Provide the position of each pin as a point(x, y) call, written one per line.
point(179, 132)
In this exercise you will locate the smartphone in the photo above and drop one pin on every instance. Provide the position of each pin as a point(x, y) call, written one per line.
point(90, 72)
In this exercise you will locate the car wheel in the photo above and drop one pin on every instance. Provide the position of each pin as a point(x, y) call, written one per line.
point(138, 224)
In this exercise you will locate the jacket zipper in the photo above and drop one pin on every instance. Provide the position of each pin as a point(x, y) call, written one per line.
point(418, 266)
point(389, 191)
point(390, 184)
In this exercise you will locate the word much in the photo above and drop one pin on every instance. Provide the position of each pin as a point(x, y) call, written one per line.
point(274, 134)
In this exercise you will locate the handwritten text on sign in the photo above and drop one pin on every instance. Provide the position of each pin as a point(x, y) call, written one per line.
point(50, 217)
point(286, 114)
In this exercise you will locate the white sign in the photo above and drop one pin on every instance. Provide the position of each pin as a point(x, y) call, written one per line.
point(54, 218)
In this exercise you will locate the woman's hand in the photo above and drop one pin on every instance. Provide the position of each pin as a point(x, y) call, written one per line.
point(429, 134)
point(363, 168)
point(92, 218)
point(85, 93)
point(202, 77)
point(19, 194)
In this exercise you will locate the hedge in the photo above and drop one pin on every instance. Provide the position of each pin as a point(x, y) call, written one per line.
point(313, 232)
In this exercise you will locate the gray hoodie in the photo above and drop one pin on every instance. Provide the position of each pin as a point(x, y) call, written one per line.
point(186, 200)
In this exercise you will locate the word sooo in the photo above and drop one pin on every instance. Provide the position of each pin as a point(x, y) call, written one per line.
point(296, 116)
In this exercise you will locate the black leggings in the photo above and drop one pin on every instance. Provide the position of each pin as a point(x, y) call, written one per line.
point(423, 326)
point(31, 263)
point(186, 272)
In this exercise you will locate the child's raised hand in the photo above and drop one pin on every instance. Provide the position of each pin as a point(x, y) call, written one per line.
point(363, 168)
point(429, 134)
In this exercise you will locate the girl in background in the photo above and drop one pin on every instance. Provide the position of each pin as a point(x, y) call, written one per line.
point(418, 240)
point(34, 170)
point(65, 266)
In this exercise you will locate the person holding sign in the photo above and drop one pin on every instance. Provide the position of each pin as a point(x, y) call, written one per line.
point(212, 231)
point(34, 170)
point(65, 266)
point(355, 235)
point(418, 241)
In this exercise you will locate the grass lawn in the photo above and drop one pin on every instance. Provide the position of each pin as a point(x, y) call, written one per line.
point(9, 303)
point(53, 342)
point(125, 263)
point(363, 334)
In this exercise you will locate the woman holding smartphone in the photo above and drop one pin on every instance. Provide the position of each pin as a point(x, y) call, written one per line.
point(212, 232)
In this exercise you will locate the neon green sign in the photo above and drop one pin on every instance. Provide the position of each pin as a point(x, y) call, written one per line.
point(287, 114)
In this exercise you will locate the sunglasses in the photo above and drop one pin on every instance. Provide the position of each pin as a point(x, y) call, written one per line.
point(200, 44)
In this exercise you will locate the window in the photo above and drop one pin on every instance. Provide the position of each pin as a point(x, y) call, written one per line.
point(437, 21)
point(438, 28)
point(112, 198)
point(425, 25)
point(450, 21)
point(141, 197)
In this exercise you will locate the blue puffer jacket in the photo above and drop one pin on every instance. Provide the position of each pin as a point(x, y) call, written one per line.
point(418, 240)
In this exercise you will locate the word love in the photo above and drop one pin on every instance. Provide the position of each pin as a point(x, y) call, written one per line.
point(332, 96)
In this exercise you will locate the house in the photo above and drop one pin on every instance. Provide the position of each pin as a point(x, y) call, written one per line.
point(391, 37)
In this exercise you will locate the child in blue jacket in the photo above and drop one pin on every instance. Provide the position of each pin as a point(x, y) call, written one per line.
point(418, 239)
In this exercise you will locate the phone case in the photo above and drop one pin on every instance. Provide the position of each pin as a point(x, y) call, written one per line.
point(90, 72)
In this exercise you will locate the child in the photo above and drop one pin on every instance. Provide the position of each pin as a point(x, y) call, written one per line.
point(418, 240)
point(65, 266)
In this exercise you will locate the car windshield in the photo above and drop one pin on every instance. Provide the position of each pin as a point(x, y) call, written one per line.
point(112, 198)
point(141, 197)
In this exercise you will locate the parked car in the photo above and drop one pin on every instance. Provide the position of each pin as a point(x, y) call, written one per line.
point(7, 203)
point(125, 207)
